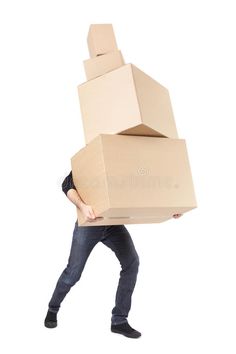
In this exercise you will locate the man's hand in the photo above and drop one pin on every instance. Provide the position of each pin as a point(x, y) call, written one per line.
point(86, 209)
point(88, 213)
point(176, 216)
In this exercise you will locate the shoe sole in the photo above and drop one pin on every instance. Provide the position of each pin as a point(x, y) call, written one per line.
point(50, 324)
point(126, 334)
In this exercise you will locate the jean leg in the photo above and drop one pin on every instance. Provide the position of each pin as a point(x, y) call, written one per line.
point(118, 239)
point(83, 241)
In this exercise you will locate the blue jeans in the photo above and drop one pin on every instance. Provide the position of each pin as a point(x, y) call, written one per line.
point(118, 239)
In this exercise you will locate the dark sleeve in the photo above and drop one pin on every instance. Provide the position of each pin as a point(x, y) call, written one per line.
point(68, 183)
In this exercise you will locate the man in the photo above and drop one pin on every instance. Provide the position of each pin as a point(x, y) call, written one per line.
point(118, 239)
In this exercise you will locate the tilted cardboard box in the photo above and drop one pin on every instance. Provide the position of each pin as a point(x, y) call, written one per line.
point(133, 179)
point(126, 101)
point(103, 64)
point(101, 39)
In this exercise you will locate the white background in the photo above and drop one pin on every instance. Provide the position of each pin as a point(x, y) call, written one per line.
point(184, 300)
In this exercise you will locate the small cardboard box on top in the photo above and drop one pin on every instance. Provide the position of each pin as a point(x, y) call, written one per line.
point(101, 39)
point(126, 101)
point(133, 179)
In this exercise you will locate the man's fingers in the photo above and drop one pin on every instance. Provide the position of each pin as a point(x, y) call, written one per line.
point(91, 214)
point(177, 216)
point(96, 218)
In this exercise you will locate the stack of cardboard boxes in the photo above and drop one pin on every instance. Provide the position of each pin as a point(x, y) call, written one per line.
point(134, 168)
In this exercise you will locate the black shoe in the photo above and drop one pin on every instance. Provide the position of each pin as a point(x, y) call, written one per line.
point(126, 330)
point(51, 319)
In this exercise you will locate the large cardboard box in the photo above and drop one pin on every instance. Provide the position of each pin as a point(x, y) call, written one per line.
point(133, 179)
point(102, 64)
point(126, 101)
point(101, 39)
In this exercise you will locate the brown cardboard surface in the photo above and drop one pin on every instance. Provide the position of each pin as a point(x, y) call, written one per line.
point(133, 179)
point(101, 39)
point(102, 64)
point(120, 220)
point(126, 99)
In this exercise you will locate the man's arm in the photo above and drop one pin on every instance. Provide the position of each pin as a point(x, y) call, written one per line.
point(72, 194)
point(75, 198)
point(70, 191)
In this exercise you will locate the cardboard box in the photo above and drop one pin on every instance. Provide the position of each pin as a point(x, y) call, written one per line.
point(126, 101)
point(101, 39)
point(103, 64)
point(133, 179)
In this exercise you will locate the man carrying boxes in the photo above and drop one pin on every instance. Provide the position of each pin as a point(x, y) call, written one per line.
point(133, 169)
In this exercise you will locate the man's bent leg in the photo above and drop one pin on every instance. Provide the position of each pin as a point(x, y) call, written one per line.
point(83, 241)
point(119, 240)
